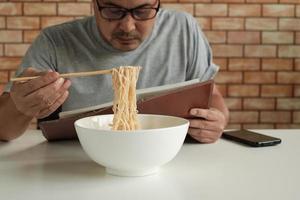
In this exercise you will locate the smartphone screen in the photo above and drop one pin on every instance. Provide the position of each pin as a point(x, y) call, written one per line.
point(251, 138)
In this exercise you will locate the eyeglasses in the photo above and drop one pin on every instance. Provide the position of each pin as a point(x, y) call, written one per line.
point(117, 13)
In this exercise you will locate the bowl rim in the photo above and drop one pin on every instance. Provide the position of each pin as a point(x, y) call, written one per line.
point(186, 122)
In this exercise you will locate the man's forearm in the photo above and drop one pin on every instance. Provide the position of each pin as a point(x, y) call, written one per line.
point(219, 103)
point(12, 122)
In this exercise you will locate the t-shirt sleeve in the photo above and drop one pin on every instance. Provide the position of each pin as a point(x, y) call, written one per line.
point(40, 55)
point(200, 63)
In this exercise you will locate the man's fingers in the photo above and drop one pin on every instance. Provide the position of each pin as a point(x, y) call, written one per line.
point(53, 98)
point(46, 112)
point(30, 86)
point(204, 113)
point(205, 124)
point(39, 96)
point(201, 133)
point(42, 81)
point(46, 96)
point(205, 136)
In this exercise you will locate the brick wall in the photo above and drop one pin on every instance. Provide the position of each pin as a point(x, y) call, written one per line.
point(256, 43)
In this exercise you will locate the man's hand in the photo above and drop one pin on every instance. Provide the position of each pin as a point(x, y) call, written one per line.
point(41, 96)
point(210, 125)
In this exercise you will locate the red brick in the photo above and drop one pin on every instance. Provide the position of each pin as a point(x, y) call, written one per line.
point(1, 50)
point(288, 103)
point(244, 10)
point(7, 36)
point(8, 63)
point(296, 117)
point(276, 90)
point(243, 90)
point(74, 9)
point(221, 62)
point(223, 89)
point(211, 10)
point(186, 7)
point(229, 77)
point(233, 103)
point(216, 36)
point(289, 1)
point(287, 126)
point(2, 88)
point(297, 64)
point(275, 116)
point(227, 23)
point(233, 126)
point(227, 50)
point(244, 64)
point(228, 1)
point(244, 117)
point(59, 0)
point(50, 21)
point(190, 1)
point(288, 77)
point(260, 51)
point(297, 37)
point(258, 126)
point(276, 10)
point(2, 22)
point(23, 22)
point(289, 51)
point(261, 23)
point(12, 73)
point(259, 104)
point(297, 91)
point(16, 49)
point(7, 8)
point(259, 77)
point(242, 37)
point(27, 0)
point(39, 8)
point(204, 23)
point(29, 36)
point(3, 77)
point(277, 64)
point(278, 37)
point(291, 24)
point(262, 1)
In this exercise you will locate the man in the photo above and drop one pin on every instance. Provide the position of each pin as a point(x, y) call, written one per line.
point(168, 45)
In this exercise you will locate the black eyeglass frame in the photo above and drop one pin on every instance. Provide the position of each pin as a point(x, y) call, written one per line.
point(100, 8)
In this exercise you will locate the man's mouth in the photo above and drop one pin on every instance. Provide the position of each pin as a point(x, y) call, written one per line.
point(126, 39)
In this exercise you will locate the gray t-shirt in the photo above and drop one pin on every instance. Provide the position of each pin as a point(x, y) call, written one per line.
point(175, 51)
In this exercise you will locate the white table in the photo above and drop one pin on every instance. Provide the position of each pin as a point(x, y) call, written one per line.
point(31, 168)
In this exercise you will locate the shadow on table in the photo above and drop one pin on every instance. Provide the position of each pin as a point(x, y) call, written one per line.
point(189, 140)
point(54, 160)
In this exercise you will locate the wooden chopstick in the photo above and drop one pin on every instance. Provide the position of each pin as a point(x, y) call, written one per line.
point(67, 75)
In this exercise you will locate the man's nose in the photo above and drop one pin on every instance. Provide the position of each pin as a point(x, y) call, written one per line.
point(127, 24)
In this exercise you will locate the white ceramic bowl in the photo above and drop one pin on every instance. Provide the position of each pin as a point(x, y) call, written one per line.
point(132, 153)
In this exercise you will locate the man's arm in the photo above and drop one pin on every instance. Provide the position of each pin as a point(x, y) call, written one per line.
point(219, 103)
point(13, 122)
point(37, 98)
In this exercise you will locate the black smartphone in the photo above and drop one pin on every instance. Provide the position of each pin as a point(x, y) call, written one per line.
point(251, 138)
